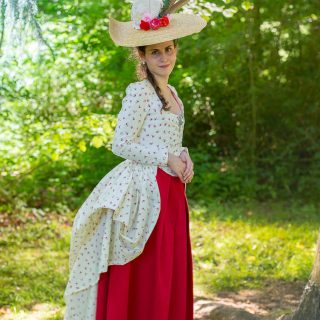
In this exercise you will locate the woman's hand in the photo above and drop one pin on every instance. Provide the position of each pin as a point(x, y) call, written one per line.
point(188, 172)
point(177, 165)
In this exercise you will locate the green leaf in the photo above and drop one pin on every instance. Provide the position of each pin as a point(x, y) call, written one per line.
point(247, 5)
point(97, 142)
point(82, 146)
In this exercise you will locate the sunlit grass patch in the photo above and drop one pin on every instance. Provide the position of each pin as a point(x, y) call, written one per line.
point(236, 247)
point(34, 266)
point(43, 311)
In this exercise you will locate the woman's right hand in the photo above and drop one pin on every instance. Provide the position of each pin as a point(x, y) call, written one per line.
point(177, 165)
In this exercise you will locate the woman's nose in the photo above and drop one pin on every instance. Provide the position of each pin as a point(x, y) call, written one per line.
point(163, 57)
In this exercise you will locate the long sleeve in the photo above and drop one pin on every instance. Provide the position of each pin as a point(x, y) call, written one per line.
point(130, 121)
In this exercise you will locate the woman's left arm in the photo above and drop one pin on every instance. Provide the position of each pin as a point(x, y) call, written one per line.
point(130, 121)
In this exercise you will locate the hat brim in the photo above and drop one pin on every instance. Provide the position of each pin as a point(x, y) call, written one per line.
point(181, 25)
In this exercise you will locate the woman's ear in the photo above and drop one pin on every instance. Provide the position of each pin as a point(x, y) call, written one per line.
point(141, 56)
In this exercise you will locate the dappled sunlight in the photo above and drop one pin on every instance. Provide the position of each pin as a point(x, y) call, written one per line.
point(41, 311)
point(269, 302)
point(232, 249)
point(35, 265)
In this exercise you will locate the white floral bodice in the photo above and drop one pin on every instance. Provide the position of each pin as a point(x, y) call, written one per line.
point(144, 132)
point(114, 223)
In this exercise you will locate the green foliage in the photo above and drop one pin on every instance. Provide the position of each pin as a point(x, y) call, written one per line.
point(219, 179)
point(249, 83)
point(15, 18)
point(251, 91)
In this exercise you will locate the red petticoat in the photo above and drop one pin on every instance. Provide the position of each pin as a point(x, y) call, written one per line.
point(158, 284)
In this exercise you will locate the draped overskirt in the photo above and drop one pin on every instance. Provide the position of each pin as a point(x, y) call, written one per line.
point(158, 283)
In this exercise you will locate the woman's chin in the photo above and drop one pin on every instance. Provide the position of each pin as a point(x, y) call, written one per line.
point(162, 72)
point(165, 71)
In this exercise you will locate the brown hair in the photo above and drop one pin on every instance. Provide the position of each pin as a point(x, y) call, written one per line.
point(143, 72)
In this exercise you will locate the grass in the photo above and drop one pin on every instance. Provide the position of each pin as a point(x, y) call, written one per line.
point(246, 246)
point(234, 246)
point(34, 265)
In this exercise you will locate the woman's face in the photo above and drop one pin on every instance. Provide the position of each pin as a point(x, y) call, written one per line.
point(161, 58)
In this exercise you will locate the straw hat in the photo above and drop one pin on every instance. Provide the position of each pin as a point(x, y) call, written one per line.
point(154, 21)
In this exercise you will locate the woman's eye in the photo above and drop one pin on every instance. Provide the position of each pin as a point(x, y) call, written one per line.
point(154, 52)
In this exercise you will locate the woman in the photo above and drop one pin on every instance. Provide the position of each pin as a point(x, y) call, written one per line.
point(130, 252)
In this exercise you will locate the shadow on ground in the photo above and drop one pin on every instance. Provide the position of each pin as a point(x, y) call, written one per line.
point(268, 303)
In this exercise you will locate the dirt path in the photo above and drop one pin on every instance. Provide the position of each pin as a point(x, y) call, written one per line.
point(275, 299)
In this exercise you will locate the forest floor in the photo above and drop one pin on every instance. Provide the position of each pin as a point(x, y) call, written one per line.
point(269, 302)
point(241, 259)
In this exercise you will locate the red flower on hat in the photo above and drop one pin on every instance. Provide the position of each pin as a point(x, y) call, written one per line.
point(144, 25)
point(155, 23)
point(164, 21)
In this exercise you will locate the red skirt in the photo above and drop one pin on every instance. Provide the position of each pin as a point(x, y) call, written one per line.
point(158, 284)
